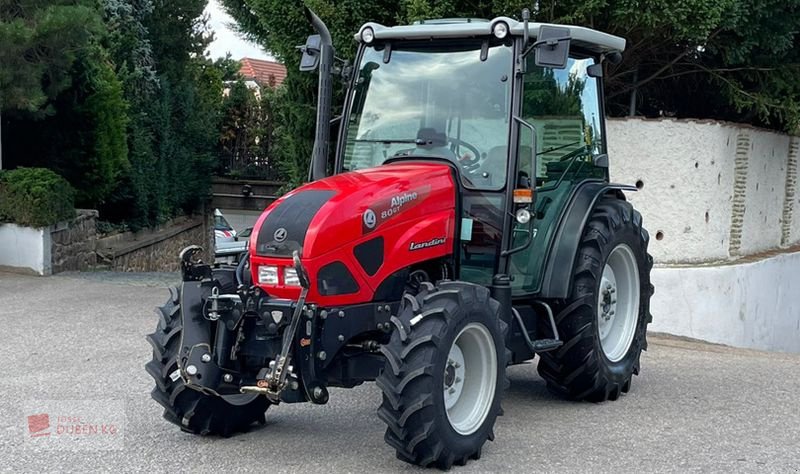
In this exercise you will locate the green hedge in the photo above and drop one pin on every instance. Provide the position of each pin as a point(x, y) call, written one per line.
point(35, 197)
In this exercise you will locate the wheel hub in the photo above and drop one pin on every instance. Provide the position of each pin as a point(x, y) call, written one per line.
point(453, 376)
point(609, 306)
point(449, 375)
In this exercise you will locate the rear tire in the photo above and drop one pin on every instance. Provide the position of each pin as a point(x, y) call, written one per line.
point(604, 321)
point(444, 374)
point(193, 411)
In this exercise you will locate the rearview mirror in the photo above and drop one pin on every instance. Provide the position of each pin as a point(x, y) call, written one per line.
point(552, 47)
point(311, 52)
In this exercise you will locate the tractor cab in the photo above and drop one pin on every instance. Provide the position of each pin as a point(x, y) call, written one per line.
point(515, 107)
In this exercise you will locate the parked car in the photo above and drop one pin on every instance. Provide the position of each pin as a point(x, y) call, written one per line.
point(230, 252)
point(223, 232)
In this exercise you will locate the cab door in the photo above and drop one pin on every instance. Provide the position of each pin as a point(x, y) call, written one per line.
point(565, 108)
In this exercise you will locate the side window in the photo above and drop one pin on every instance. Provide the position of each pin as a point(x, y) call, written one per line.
point(564, 106)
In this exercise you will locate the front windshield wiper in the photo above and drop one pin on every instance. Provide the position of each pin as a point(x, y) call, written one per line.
point(387, 141)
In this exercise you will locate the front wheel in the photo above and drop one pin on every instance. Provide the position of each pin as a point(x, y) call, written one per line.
point(603, 322)
point(191, 410)
point(444, 374)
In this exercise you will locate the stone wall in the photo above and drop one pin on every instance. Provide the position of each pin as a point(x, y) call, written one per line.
point(157, 250)
point(73, 244)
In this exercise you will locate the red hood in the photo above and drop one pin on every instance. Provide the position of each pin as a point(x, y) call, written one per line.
point(393, 193)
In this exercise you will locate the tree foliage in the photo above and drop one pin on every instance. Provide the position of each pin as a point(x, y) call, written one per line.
point(39, 42)
point(35, 197)
point(117, 97)
point(175, 95)
point(725, 59)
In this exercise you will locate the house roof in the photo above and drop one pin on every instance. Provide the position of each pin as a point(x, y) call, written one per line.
point(265, 73)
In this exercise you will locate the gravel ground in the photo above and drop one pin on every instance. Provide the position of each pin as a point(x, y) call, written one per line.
point(696, 407)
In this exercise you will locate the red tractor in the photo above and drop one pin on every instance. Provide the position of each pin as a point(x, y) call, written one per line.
point(468, 224)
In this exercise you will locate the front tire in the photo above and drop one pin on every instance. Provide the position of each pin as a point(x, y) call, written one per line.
point(603, 322)
point(444, 375)
point(193, 411)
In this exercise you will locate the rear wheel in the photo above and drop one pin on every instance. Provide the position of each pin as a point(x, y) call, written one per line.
point(193, 411)
point(604, 321)
point(444, 374)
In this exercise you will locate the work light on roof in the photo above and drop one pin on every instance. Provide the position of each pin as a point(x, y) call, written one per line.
point(500, 29)
point(367, 35)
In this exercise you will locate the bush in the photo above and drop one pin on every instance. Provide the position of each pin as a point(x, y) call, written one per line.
point(35, 197)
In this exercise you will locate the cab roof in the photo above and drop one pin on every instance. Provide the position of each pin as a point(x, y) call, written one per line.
point(582, 37)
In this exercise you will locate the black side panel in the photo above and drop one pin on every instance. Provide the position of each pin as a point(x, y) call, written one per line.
point(556, 280)
point(370, 255)
point(391, 289)
point(293, 216)
point(335, 279)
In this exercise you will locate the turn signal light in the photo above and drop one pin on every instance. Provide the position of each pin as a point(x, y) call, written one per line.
point(523, 196)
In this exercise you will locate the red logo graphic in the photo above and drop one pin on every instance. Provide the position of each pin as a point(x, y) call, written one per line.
point(37, 424)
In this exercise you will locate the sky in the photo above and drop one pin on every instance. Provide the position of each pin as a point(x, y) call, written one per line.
point(226, 40)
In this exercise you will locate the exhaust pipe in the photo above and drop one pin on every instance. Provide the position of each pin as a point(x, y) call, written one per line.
point(319, 156)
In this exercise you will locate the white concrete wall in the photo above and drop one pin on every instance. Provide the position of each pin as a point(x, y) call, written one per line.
point(25, 249)
point(690, 195)
point(686, 173)
point(766, 189)
point(794, 185)
point(754, 305)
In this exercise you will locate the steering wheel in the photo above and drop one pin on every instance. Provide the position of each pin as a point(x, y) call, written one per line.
point(465, 160)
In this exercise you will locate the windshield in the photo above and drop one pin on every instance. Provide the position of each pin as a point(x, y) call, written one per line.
point(441, 102)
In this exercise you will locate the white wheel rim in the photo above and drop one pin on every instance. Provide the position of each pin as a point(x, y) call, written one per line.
point(470, 378)
point(618, 303)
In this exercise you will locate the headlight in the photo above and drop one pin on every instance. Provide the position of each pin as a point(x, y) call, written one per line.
point(367, 35)
point(523, 216)
point(290, 277)
point(268, 275)
point(500, 30)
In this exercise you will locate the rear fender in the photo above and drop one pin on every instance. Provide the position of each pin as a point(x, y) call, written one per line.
point(557, 277)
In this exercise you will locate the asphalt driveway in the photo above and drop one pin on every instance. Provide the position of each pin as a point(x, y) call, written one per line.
point(696, 407)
